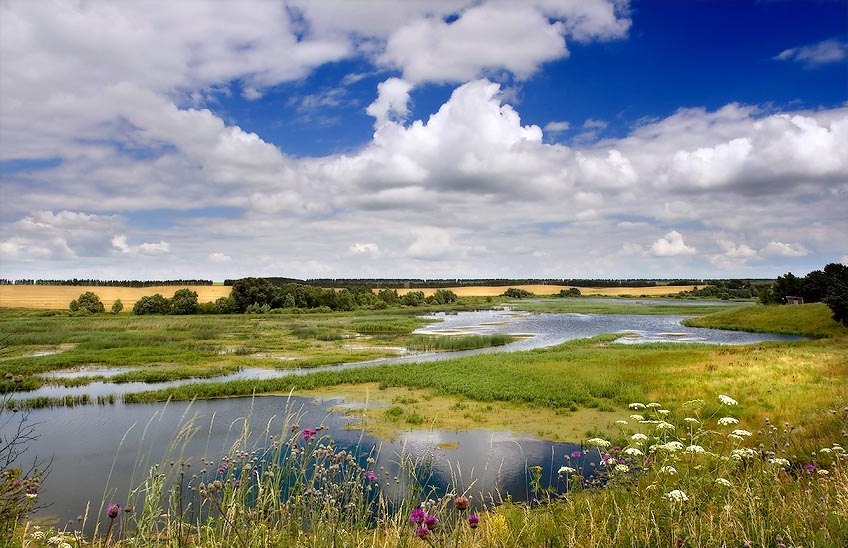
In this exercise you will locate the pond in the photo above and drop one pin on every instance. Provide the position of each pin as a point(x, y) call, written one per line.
point(100, 452)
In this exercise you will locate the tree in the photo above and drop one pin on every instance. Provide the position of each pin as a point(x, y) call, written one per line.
point(837, 291)
point(413, 298)
point(152, 304)
point(117, 306)
point(442, 296)
point(184, 302)
point(87, 303)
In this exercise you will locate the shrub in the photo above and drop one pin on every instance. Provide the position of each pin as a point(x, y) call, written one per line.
point(88, 302)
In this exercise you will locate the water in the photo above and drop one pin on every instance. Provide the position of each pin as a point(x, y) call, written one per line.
point(99, 453)
point(539, 330)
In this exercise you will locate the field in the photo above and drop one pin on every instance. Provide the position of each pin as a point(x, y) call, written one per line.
point(57, 297)
point(494, 291)
point(759, 431)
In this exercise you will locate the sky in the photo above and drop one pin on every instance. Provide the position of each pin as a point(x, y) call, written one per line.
point(422, 139)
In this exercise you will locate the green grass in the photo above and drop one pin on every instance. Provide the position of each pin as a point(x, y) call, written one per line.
point(813, 320)
point(797, 382)
point(454, 343)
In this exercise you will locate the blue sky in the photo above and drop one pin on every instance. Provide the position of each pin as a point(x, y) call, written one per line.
point(423, 139)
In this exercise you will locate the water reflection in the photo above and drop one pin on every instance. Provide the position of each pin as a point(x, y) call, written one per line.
point(100, 454)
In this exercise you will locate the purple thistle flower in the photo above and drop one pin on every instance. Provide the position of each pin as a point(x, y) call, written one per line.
point(308, 434)
point(371, 476)
point(417, 515)
point(810, 467)
point(473, 521)
point(422, 532)
point(112, 511)
point(576, 454)
point(431, 521)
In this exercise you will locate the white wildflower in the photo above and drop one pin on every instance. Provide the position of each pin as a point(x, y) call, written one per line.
point(638, 437)
point(633, 452)
point(677, 496)
point(637, 417)
point(736, 437)
point(779, 462)
point(825, 450)
point(668, 470)
point(654, 405)
point(727, 400)
point(692, 420)
point(695, 449)
point(38, 535)
point(743, 453)
point(566, 470)
point(727, 421)
point(665, 426)
point(598, 442)
point(622, 468)
point(663, 411)
point(822, 472)
point(636, 406)
point(619, 421)
point(723, 482)
point(741, 432)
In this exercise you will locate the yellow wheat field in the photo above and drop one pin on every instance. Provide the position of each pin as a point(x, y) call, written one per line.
point(59, 296)
point(485, 291)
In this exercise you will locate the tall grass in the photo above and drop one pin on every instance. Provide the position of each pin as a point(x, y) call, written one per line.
point(454, 343)
point(684, 477)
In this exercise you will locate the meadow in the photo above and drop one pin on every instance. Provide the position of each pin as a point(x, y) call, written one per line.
point(745, 448)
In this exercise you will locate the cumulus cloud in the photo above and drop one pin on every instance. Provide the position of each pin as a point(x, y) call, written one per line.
point(670, 246)
point(365, 249)
point(814, 55)
point(61, 235)
point(781, 249)
point(391, 102)
point(119, 242)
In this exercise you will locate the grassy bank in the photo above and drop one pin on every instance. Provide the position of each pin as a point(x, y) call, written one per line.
point(812, 320)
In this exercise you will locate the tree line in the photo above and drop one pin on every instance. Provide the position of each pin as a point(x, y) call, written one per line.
point(104, 283)
point(262, 296)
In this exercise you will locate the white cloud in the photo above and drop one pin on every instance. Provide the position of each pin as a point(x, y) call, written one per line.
point(119, 242)
point(781, 249)
point(487, 37)
point(555, 127)
point(219, 257)
point(391, 102)
point(431, 243)
point(670, 246)
point(365, 249)
point(814, 55)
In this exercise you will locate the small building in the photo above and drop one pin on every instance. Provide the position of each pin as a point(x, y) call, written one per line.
point(794, 300)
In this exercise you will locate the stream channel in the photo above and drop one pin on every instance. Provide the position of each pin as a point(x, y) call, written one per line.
point(99, 453)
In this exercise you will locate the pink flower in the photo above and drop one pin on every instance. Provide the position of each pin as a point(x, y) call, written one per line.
point(422, 532)
point(308, 434)
point(417, 515)
point(371, 475)
point(112, 511)
point(473, 521)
